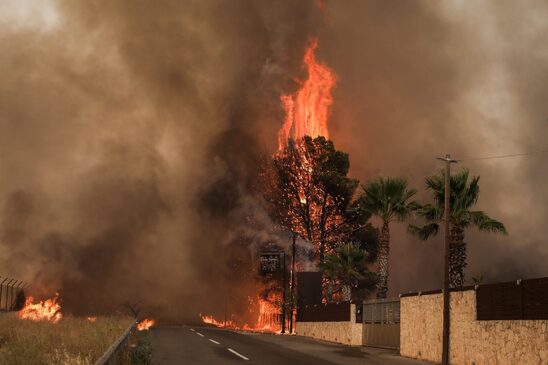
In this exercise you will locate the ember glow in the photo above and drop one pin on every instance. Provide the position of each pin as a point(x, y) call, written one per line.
point(48, 310)
point(145, 324)
point(307, 110)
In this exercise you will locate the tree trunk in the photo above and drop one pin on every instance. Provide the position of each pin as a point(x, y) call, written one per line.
point(329, 291)
point(322, 251)
point(382, 271)
point(347, 293)
point(457, 257)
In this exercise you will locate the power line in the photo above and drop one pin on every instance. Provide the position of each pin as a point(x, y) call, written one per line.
point(504, 156)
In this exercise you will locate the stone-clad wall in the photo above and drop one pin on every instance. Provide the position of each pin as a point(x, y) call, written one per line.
point(421, 326)
point(347, 333)
point(505, 342)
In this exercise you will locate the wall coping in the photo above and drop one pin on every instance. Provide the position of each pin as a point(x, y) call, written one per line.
point(438, 291)
point(464, 288)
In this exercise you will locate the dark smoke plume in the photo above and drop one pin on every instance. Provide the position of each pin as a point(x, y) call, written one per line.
point(131, 134)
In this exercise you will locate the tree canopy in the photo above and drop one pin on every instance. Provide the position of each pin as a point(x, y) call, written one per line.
point(309, 193)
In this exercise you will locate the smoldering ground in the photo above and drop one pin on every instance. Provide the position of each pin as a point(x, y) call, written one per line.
point(131, 134)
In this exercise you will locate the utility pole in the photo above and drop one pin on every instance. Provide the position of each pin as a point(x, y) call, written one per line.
point(284, 293)
point(292, 285)
point(446, 312)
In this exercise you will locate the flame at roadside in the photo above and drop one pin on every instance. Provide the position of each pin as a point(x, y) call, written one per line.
point(145, 324)
point(268, 319)
point(48, 310)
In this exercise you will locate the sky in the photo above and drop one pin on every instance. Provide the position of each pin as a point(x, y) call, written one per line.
point(131, 133)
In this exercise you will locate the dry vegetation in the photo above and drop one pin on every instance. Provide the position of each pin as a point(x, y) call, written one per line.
point(72, 341)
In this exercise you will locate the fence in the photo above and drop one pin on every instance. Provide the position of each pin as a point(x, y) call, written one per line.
point(332, 312)
point(335, 322)
point(11, 293)
point(381, 323)
point(501, 342)
point(517, 300)
point(381, 311)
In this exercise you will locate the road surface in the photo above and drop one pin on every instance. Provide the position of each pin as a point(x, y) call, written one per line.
point(201, 345)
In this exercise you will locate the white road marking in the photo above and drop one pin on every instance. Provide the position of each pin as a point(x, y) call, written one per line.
point(193, 330)
point(215, 342)
point(199, 334)
point(237, 354)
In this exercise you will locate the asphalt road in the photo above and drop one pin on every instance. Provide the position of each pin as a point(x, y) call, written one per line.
point(200, 345)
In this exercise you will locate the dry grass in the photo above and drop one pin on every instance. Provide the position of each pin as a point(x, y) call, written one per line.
point(74, 341)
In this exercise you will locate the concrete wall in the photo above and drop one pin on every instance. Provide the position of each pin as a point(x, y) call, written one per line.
point(347, 333)
point(472, 342)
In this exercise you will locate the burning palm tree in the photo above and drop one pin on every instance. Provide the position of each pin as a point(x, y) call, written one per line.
point(347, 266)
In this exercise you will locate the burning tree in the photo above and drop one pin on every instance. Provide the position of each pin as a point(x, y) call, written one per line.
point(309, 192)
point(346, 265)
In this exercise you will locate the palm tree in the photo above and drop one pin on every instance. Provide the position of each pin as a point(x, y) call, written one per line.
point(345, 265)
point(464, 195)
point(390, 200)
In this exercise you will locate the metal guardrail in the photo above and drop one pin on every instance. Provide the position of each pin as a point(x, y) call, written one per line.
point(10, 290)
point(110, 357)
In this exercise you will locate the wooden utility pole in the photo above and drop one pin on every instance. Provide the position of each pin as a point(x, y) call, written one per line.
point(283, 293)
point(446, 215)
point(292, 284)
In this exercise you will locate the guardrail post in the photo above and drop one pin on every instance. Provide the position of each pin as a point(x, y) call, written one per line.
point(7, 292)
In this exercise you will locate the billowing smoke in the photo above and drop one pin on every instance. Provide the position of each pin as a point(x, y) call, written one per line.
point(131, 134)
point(419, 80)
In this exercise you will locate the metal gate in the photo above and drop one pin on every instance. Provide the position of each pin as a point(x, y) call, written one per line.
point(381, 323)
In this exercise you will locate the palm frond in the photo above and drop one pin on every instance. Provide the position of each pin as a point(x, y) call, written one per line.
point(424, 232)
point(388, 198)
point(430, 212)
point(486, 223)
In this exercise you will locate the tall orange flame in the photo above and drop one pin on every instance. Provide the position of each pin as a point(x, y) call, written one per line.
point(48, 310)
point(307, 110)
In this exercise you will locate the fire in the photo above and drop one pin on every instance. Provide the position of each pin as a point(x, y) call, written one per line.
point(92, 319)
point(221, 324)
point(307, 110)
point(145, 324)
point(268, 317)
point(306, 114)
point(48, 310)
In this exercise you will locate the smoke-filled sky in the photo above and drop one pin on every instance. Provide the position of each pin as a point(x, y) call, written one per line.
point(131, 132)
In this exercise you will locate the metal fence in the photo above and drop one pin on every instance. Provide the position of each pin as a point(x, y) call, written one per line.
point(381, 311)
point(381, 323)
point(12, 295)
point(516, 300)
point(332, 312)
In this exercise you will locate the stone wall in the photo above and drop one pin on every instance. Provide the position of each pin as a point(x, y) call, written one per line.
point(347, 333)
point(506, 342)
